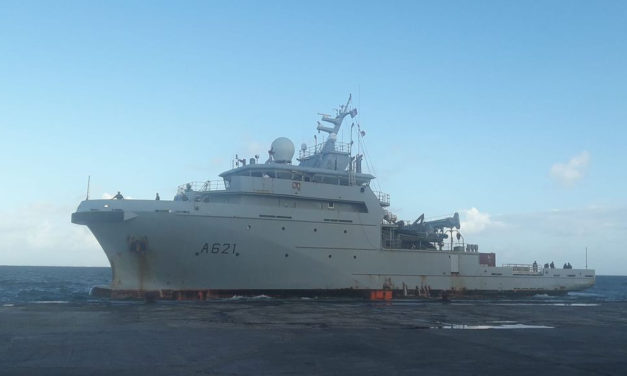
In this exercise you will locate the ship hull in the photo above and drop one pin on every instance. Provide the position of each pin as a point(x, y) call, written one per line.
point(178, 254)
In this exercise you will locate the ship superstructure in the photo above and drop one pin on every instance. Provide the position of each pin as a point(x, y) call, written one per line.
point(315, 228)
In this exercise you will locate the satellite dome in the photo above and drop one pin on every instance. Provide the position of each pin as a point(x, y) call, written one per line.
point(282, 150)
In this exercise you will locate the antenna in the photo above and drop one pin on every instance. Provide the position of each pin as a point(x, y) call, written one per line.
point(586, 257)
point(88, 181)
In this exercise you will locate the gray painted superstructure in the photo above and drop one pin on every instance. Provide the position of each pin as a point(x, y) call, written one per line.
point(317, 226)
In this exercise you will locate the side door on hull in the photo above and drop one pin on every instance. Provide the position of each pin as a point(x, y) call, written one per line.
point(454, 263)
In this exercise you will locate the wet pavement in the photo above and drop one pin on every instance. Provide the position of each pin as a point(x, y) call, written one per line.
point(319, 337)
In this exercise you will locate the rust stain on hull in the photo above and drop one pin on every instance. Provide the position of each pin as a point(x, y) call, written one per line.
point(205, 294)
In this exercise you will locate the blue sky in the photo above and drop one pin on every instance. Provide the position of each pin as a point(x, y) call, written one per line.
point(515, 109)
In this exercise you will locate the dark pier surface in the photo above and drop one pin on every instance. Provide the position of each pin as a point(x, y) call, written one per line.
point(275, 337)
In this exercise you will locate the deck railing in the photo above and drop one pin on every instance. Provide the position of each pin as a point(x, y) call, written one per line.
point(384, 198)
point(524, 268)
point(341, 147)
point(202, 186)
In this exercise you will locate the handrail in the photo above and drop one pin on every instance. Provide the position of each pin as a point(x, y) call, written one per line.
point(524, 268)
point(341, 147)
point(384, 198)
point(518, 265)
point(202, 186)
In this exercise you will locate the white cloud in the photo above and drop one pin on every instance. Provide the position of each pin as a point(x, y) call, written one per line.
point(255, 147)
point(559, 236)
point(569, 173)
point(42, 234)
point(473, 221)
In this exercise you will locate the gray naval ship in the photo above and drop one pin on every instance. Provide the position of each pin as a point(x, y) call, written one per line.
point(312, 228)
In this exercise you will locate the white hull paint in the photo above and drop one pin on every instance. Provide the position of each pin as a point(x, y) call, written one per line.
point(198, 251)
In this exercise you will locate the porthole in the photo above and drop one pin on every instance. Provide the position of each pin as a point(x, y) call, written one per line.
point(286, 255)
point(329, 256)
point(283, 228)
point(315, 230)
point(345, 231)
point(355, 257)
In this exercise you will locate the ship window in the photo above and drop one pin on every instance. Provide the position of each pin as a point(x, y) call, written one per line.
point(331, 205)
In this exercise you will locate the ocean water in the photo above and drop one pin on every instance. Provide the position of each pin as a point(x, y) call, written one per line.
point(37, 284)
point(46, 284)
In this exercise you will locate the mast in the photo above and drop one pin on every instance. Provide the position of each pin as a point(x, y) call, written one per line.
point(88, 180)
point(341, 113)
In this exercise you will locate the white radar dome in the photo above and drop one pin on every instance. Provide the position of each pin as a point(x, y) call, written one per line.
point(282, 150)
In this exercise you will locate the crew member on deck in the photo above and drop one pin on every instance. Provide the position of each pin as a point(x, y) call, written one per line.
point(118, 196)
point(157, 197)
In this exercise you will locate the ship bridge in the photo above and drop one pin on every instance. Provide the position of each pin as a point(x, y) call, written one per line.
point(299, 173)
point(327, 162)
point(321, 166)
